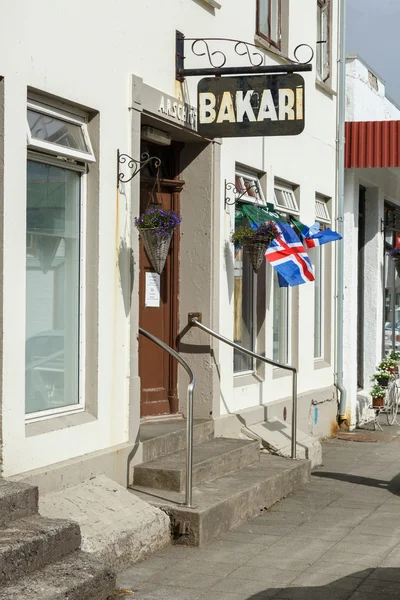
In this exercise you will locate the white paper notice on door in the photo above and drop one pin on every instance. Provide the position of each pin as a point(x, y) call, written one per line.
point(152, 297)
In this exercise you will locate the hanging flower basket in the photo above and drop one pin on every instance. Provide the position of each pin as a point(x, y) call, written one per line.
point(156, 227)
point(395, 255)
point(157, 246)
point(255, 241)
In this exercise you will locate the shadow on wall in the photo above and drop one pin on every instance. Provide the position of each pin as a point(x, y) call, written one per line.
point(392, 486)
point(370, 583)
point(126, 273)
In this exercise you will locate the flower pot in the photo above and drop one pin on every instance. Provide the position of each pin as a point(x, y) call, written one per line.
point(393, 370)
point(156, 246)
point(396, 261)
point(256, 252)
point(378, 402)
point(383, 381)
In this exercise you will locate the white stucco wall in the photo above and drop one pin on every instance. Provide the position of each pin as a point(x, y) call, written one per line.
point(85, 53)
point(366, 101)
point(366, 98)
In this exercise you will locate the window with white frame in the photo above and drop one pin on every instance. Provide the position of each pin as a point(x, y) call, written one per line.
point(318, 258)
point(286, 203)
point(245, 282)
point(269, 21)
point(323, 66)
point(285, 199)
point(54, 259)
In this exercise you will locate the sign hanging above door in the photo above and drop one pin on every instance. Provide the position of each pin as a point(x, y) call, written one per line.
point(261, 105)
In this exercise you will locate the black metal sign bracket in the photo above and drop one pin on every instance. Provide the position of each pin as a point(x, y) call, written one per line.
point(217, 59)
point(135, 166)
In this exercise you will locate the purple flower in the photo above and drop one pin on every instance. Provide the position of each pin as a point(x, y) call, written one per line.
point(163, 221)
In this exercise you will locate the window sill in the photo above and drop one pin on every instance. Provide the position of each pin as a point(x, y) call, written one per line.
point(264, 45)
point(325, 88)
point(279, 373)
point(246, 379)
point(57, 423)
point(319, 363)
point(212, 3)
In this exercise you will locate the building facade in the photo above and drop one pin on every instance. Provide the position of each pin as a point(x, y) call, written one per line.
point(371, 230)
point(77, 380)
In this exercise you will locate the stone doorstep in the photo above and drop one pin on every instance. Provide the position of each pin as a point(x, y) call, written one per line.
point(174, 441)
point(31, 543)
point(231, 500)
point(17, 500)
point(211, 460)
point(76, 577)
point(116, 526)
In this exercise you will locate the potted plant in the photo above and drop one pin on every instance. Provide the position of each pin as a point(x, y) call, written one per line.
point(382, 377)
point(389, 364)
point(395, 255)
point(255, 241)
point(395, 355)
point(378, 396)
point(156, 227)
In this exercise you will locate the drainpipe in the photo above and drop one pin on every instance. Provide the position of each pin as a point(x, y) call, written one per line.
point(340, 121)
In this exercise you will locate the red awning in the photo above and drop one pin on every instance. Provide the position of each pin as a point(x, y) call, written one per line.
point(372, 144)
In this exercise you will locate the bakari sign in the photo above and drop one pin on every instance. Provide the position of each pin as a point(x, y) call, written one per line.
point(251, 106)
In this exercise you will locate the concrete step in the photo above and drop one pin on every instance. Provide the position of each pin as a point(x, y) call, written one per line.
point(276, 435)
point(77, 577)
point(34, 542)
point(163, 438)
point(231, 500)
point(17, 500)
point(210, 460)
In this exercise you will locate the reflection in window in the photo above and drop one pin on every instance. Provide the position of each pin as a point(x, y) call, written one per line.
point(269, 20)
point(50, 129)
point(243, 311)
point(280, 322)
point(52, 287)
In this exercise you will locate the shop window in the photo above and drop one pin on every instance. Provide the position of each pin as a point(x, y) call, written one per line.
point(320, 259)
point(54, 263)
point(269, 21)
point(323, 40)
point(281, 328)
point(245, 283)
point(286, 203)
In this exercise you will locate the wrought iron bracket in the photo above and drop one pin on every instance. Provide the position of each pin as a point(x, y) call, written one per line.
point(134, 165)
point(231, 187)
point(217, 59)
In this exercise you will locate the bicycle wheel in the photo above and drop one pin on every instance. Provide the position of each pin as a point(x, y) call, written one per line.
point(391, 407)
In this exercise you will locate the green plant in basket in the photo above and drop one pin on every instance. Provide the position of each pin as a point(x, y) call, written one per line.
point(387, 364)
point(395, 355)
point(265, 233)
point(381, 373)
point(377, 391)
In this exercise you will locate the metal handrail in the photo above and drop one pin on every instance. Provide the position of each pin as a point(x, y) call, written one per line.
point(189, 417)
point(220, 337)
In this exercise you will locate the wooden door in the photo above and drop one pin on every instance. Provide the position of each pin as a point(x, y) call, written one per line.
point(157, 369)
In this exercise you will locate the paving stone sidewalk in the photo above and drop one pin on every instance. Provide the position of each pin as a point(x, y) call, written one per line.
point(338, 539)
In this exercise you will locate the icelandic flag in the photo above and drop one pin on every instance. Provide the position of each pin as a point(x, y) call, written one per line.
point(313, 236)
point(289, 258)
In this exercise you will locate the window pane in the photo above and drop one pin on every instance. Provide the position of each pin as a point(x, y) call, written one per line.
point(274, 35)
point(280, 322)
point(56, 131)
point(264, 17)
point(243, 311)
point(52, 287)
point(318, 302)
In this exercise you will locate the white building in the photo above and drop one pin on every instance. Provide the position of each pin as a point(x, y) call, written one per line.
point(78, 82)
point(372, 199)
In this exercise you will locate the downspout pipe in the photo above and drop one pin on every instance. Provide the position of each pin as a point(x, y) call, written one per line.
point(340, 149)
